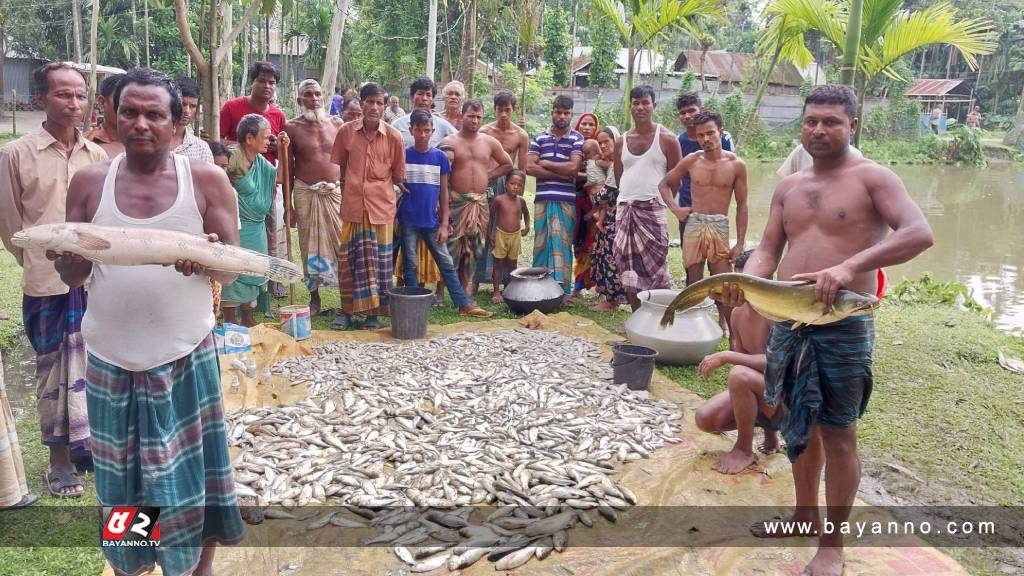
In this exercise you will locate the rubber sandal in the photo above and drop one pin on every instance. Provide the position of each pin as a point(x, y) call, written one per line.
point(477, 312)
point(341, 322)
point(65, 476)
point(371, 323)
point(28, 500)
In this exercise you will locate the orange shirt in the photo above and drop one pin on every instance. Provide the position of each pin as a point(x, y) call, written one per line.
point(372, 163)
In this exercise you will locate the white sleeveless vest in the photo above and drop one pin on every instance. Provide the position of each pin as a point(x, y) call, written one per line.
point(141, 317)
point(641, 174)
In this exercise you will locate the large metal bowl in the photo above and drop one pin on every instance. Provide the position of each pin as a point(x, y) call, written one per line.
point(532, 289)
point(694, 334)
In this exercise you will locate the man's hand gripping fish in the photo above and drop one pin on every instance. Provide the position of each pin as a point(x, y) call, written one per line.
point(138, 247)
point(776, 300)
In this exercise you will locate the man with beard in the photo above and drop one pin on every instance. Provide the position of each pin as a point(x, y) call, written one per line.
point(106, 134)
point(34, 174)
point(833, 223)
point(479, 158)
point(554, 159)
point(315, 198)
point(183, 141)
point(371, 154)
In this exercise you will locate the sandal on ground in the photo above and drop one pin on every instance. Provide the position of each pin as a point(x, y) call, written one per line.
point(371, 323)
point(64, 476)
point(476, 312)
point(28, 500)
point(341, 322)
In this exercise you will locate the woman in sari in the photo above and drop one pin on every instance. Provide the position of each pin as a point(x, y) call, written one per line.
point(588, 125)
point(255, 180)
point(603, 270)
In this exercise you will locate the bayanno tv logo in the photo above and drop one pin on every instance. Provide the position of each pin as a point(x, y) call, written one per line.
point(133, 526)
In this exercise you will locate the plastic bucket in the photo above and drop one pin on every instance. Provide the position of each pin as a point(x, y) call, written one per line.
point(295, 321)
point(633, 365)
point(410, 306)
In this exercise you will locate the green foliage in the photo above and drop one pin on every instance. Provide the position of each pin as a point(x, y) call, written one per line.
point(605, 44)
point(926, 290)
point(929, 149)
point(483, 89)
point(511, 78)
point(377, 45)
point(966, 148)
point(557, 45)
point(314, 25)
point(687, 83)
point(899, 117)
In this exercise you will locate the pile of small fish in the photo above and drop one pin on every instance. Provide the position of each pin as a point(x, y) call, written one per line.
point(413, 435)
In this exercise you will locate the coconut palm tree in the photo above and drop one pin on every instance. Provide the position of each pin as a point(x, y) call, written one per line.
point(888, 32)
point(641, 22)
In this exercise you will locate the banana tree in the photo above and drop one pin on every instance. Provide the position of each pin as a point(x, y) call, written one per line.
point(888, 33)
point(640, 22)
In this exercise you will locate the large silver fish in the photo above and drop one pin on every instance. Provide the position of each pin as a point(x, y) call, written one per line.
point(138, 247)
point(776, 300)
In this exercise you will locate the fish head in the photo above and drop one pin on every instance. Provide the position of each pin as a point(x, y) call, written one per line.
point(45, 237)
point(854, 304)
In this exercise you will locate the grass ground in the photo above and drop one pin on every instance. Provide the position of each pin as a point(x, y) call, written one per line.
point(942, 408)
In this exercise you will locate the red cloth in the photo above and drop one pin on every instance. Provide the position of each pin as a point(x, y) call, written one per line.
point(883, 283)
point(232, 111)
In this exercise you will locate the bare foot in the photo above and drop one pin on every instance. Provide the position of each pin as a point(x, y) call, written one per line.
point(770, 444)
point(438, 301)
point(734, 462)
point(827, 561)
point(497, 299)
point(776, 527)
point(603, 306)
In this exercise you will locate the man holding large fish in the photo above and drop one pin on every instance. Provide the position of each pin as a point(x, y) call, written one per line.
point(153, 380)
point(833, 222)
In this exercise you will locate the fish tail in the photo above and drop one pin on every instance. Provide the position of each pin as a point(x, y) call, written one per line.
point(686, 299)
point(280, 270)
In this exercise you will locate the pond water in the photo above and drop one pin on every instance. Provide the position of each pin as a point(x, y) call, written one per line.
point(977, 216)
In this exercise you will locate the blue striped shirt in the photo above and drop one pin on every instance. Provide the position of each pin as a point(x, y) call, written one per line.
point(547, 146)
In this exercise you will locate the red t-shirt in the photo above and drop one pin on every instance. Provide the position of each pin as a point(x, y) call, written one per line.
point(232, 111)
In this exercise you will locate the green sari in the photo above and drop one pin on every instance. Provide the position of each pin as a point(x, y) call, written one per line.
point(255, 189)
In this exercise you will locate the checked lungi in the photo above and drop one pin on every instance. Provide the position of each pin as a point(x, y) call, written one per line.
point(366, 266)
point(54, 328)
point(641, 245)
point(159, 439)
point(554, 226)
point(13, 485)
point(318, 216)
point(472, 219)
point(821, 374)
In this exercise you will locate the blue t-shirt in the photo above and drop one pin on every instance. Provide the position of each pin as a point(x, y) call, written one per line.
point(549, 147)
point(689, 147)
point(423, 171)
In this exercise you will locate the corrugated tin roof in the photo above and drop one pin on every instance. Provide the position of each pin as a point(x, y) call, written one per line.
point(734, 66)
point(931, 87)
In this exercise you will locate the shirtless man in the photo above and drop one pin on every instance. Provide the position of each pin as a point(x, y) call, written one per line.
point(516, 142)
point(479, 158)
point(833, 222)
point(742, 406)
point(106, 134)
point(312, 135)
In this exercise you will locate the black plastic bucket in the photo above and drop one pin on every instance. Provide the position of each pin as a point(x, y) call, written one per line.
point(633, 365)
point(410, 306)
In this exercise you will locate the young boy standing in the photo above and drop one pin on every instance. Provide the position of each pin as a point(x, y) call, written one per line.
point(426, 181)
point(506, 237)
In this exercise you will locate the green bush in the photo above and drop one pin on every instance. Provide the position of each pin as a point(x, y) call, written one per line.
point(925, 290)
point(966, 148)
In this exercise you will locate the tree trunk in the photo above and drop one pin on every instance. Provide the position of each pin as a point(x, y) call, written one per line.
point(76, 18)
point(94, 24)
point(431, 38)
point(446, 54)
point(1014, 136)
point(329, 75)
point(627, 119)
point(703, 59)
point(145, 8)
point(226, 69)
point(852, 48)
point(266, 38)
point(862, 89)
point(522, 103)
point(135, 33)
point(3, 62)
point(204, 67)
point(467, 55)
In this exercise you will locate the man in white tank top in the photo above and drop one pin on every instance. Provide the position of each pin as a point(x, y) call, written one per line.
point(153, 380)
point(642, 157)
